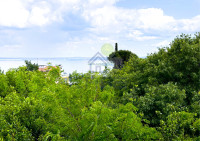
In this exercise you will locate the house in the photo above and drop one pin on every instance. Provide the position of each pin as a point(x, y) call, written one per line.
point(45, 68)
point(65, 76)
point(98, 63)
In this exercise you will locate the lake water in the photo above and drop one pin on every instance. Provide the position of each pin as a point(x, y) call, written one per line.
point(79, 64)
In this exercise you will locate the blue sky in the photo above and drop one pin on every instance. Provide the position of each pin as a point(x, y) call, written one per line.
point(79, 28)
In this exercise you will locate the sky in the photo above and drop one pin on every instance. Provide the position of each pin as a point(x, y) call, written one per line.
point(79, 28)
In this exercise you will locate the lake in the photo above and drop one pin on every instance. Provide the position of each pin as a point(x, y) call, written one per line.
point(79, 64)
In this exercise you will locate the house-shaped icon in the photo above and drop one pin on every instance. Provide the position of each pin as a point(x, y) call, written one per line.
point(98, 63)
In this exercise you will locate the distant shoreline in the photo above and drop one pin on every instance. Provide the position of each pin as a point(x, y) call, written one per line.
point(50, 58)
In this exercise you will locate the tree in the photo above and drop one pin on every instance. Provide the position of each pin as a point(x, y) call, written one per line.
point(4, 87)
point(147, 99)
point(30, 66)
point(181, 126)
point(161, 101)
point(120, 57)
point(38, 108)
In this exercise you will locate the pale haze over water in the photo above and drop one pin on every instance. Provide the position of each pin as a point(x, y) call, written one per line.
point(79, 64)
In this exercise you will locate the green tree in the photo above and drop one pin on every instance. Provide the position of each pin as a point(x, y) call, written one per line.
point(158, 102)
point(30, 66)
point(153, 98)
point(181, 126)
point(4, 86)
point(120, 57)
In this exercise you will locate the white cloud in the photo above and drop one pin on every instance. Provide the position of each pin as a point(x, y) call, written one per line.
point(13, 13)
point(192, 24)
point(154, 18)
point(100, 3)
point(107, 24)
point(102, 15)
point(120, 18)
point(110, 20)
point(138, 35)
point(164, 43)
point(40, 14)
point(25, 13)
point(115, 20)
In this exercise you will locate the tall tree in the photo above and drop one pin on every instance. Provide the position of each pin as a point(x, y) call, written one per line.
point(120, 57)
point(116, 47)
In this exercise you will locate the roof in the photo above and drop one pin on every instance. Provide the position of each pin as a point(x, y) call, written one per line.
point(44, 68)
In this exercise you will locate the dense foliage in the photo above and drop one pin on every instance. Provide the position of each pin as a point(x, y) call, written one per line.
point(30, 66)
point(155, 98)
point(166, 84)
